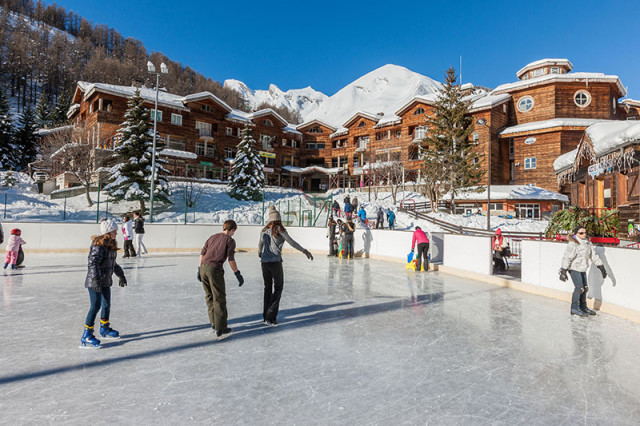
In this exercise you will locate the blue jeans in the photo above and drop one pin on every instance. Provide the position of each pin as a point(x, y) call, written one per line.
point(99, 299)
point(580, 288)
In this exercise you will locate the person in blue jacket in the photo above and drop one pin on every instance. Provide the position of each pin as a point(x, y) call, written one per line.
point(102, 265)
point(362, 215)
point(348, 209)
point(391, 218)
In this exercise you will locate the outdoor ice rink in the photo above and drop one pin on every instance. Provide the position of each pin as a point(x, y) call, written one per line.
point(359, 342)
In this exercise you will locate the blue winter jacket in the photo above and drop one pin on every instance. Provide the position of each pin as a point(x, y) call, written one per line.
point(102, 265)
point(348, 208)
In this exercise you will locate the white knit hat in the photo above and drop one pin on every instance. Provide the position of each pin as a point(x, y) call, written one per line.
point(274, 214)
point(108, 225)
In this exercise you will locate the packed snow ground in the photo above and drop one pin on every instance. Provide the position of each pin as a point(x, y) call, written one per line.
point(215, 206)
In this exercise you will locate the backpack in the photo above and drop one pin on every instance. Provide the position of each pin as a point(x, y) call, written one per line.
point(506, 252)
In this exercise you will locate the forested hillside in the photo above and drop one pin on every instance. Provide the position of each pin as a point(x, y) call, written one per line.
point(46, 49)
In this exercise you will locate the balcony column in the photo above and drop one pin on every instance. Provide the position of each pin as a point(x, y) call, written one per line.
point(100, 104)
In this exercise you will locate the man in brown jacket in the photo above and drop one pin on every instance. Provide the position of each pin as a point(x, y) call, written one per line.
point(218, 248)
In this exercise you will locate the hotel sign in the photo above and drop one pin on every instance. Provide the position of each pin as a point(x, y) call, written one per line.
point(600, 168)
point(267, 154)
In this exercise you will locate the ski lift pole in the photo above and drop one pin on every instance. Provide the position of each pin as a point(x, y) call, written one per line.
point(98, 205)
point(185, 205)
point(64, 210)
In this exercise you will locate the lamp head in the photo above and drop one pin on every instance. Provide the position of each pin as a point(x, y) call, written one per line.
point(164, 69)
point(481, 122)
point(151, 67)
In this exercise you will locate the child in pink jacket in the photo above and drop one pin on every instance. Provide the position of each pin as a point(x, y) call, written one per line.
point(13, 247)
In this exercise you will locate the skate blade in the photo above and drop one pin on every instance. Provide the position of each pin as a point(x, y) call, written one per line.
point(109, 337)
point(89, 347)
point(224, 336)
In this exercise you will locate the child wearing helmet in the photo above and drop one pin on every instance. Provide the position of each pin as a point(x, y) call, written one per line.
point(102, 265)
point(13, 248)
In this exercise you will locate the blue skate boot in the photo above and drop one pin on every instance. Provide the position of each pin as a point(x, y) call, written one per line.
point(88, 340)
point(5, 265)
point(108, 332)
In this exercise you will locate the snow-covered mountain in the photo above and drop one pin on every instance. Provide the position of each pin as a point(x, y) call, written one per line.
point(305, 101)
point(383, 90)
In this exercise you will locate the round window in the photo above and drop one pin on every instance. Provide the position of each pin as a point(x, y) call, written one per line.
point(582, 98)
point(525, 104)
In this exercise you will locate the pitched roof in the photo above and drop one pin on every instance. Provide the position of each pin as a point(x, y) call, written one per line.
point(362, 114)
point(548, 124)
point(202, 96)
point(581, 77)
point(542, 62)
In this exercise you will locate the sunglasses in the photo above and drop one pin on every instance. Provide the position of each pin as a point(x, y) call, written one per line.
point(581, 233)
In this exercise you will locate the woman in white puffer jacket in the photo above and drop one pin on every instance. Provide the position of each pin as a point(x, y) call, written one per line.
point(576, 261)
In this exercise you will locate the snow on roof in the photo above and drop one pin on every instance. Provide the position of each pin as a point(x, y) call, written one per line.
point(303, 170)
point(428, 99)
point(179, 154)
point(149, 95)
point(290, 128)
point(388, 120)
point(565, 161)
point(316, 121)
point(340, 132)
point(607, 137)
point(206, 95)
point(268, 111)
point(239, 116)
point(73, 108)
point(486, 100)
point(45, 132)
point(543, 62)
point(554, 122)
point(583, 77)
point(511, 192)
point(65, 147)
point(631, 102)
point(362, 114)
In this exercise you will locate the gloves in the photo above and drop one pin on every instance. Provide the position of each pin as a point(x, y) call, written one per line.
point(309, 255)
point(563, 275)
point(240, 279)
point(95, 285)
point(198, 276)
point(122, 282)
point(603, 271)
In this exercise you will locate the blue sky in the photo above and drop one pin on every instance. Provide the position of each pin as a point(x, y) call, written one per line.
point(328, 44)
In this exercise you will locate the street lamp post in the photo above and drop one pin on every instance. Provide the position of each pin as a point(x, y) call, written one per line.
point(152, 70)
point(483, 122)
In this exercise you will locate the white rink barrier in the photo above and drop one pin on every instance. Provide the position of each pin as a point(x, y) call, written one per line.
point(467, 253)
point(61, 237)
point(541, 262)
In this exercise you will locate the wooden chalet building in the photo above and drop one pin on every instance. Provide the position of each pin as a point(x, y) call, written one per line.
point(602, 172)
point(199, 133)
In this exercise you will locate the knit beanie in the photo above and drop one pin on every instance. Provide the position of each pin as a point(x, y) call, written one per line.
point(274, 214)
point(108, 225)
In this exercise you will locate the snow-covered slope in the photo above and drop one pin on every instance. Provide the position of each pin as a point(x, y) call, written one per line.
point(383, 90)
point(305, 101)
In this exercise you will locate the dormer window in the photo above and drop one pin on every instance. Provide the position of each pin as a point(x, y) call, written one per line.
point(206, 108)
point(525, 104)
point(362, 124)
point(538, 72)
point(315, 129)
point(268, 122)
point(418, 111)
point(582, 98)
point(555, 70)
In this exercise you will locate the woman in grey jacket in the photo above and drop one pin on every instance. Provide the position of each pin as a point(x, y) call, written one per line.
point(576, 259)
point(272, 238)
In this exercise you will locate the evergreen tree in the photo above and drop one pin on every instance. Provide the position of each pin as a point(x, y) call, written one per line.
point(42, 111)
point(450, 155)
point(58, 116)
point(247, 176)
point(130, 179)
point(8, 150)
point(25, 139)
point(9, 179)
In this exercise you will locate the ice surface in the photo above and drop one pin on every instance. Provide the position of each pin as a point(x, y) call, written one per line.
point(359, 342)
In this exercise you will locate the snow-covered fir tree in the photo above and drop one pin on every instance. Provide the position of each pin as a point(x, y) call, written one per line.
point(8, 179)
point(130, 179)
point(247, 176)
point(450, 157)
point(8, 151)
point(58, 116)
point(25, 140)
point(42, 111)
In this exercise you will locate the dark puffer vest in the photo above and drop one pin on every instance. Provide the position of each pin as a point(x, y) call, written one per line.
point(102, 265)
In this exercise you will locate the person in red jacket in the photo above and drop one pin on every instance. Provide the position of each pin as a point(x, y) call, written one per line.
point(421, 239)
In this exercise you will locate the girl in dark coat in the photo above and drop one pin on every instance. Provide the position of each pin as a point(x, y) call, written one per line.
point(102, 265)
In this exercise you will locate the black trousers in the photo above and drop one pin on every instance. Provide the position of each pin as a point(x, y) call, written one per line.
point(332, 251)
point(380, 224)
point(128, 248)
point(348, 241)
point(273, 277)
point(423, 251)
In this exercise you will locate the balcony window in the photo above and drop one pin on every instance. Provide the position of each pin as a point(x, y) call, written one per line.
point(204, 129)
point(176, 119)
point(229, 153)
point(177, 144)
point(154, 113)
point(200, 146)
point(419, 133)
point(206, 108)
point(229, 131)
point(294, 143)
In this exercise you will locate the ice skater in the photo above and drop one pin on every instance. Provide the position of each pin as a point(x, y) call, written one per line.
point(272, 238)
point(380, 219)
point(349, 241)
point(331, 234)
point(576, 259)
point(219, 248)
point(422, 240)
point(101, 267)
point(391, 218)
point(13, 248)
point(127, 232)
point(138, 229)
